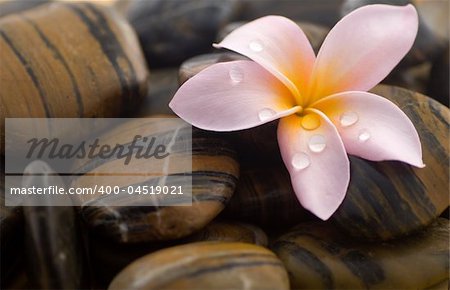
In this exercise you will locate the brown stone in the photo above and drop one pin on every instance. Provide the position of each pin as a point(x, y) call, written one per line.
point(264, 196)
point(214, 176)
point(320, 256)
point(205, 265)
point(105, 266)
point(69, 60)
point(389, 199)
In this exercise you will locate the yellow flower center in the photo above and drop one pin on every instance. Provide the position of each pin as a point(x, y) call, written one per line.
point(310, 121)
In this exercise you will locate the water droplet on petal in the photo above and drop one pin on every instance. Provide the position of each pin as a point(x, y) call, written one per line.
point(311, 122)
point(236, 75)
point(348, 118)
point(300, 161)
point(363, 136)
point(256, 46)
point(317, 143)
point(266, 114)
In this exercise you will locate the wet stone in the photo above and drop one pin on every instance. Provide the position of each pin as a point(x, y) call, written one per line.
point(320, 256)
point(428, 43)
point(106, 266)
point(89, 65)
point(389, 199)
point(54, 254)
point(214, 177)
point(172, 31)
point(205, 265)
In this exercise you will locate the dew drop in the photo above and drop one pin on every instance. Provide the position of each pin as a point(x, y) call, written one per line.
point(256, 46)
point(310, 122)
point(317, 143)
point(266, 114)
point(363, 136)
point(348, 118)
point(300, 161)
point(236, 75)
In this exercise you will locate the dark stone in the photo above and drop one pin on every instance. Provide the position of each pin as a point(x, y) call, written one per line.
point(319, 256)
point(163, 84)
point(54, 254)
point(264, 196)
point(438, 86)
point(11, 235)
point(389, 199)
point(320, 12)
point(170, 31)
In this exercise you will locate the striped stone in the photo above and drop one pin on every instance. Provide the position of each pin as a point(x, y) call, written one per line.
point(106, 266)
point(320, 256)
point(69, 60)
point(205, 265)
point(389, 199)
point(230, 232)
point(264, 196)
point(214, 176)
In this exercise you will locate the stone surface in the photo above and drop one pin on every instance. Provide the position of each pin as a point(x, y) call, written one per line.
point(106, 266)
point(163, 84)
point(54, 255)
point(319, 256)
point(427, 45)
point(414, 78)
point(321, 12)
point(230, 232)
point(264, 196)
point(214, 176)
point(205, 265)
point(89, 65)
point(389, 199)
point(10, 7)
point(170, 31)
point(438, 85)
point(11, 235)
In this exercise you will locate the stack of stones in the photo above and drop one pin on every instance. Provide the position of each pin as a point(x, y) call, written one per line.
point(245, 228)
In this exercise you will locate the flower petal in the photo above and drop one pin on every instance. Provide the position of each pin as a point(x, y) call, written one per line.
point(373, 127)
point(317, 163)
point(279, 45)
point(363, 48)
point(232, 96)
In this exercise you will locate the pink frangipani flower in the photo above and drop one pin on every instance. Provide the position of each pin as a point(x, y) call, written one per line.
point(325, 109)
